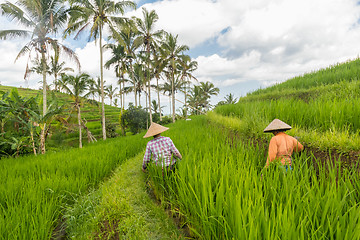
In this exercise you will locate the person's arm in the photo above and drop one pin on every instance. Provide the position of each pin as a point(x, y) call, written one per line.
point(174, 150)
point(147, 157)
point(298, 146)
point(272, 152)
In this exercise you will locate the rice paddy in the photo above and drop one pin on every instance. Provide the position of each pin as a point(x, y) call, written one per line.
point(220, 189)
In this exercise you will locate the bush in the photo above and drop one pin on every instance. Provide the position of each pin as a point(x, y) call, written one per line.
point(165, 120)
point(110, 130)
point(134, 119)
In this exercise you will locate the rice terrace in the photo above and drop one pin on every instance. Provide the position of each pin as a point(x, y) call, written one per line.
point(73, 147)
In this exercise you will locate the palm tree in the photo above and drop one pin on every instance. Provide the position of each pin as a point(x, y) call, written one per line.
point(125, 35)
point(170, 89)
point(110, 91)
point(37, 67)
point(172, 53)
point(119, 60)
point(96, 13)
point(158, 65)
point(230, 99)
point(186, 67)
point(43, 18)
point(197, 99)
point(148, 37)
point(77, 87)
point(139, 79)
point(57, 68)
point(209, 89)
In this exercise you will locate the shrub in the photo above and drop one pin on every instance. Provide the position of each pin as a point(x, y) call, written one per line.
point(134, 118)
point(110, 130)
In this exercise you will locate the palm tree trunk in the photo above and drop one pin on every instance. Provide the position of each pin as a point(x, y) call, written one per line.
point(79, 122)
point(186, 108)
point(139, 99)
point(120, 92)
point(55, 81)
point(102, 86)
point(148, 76)
point(32, 141)
point(132, 78)
point(157, 88)
point(173, 94)
point(150, 114)
point(124, 95)
point(42, 134)
point(170, 103)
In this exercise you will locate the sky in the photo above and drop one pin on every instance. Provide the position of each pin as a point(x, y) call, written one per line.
point(240, 45)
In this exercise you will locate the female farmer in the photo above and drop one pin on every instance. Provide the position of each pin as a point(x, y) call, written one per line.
point(281, 145)
point(161, 148)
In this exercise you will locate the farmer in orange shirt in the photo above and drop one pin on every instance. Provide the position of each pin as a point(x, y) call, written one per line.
point(281, 145)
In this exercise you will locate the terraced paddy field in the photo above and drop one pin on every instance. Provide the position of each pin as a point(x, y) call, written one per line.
point(68, 135)
point(220, 189)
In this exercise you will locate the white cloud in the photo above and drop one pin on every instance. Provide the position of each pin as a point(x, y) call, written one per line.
point(261, 41)
point(194, 21)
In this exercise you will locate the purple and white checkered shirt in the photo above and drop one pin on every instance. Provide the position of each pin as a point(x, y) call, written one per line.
point(161, 149)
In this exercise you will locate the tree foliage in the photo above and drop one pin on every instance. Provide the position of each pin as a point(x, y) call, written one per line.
point(134, 119)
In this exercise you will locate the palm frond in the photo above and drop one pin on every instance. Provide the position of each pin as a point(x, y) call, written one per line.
point(11, 34)
point(13, 12)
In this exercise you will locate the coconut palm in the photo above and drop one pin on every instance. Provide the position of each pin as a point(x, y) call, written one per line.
point(110, 91)
point(97, 14)
point(118, 59)
point(170, 89)
point(43, 18)
point(186, 68)
point(125, 35)
point(77, 87)
point(148, 37)
point(158, 64)
point(230, 99)
point(171, 51)
point(57, 68)
point(197, 99)
point(37, 67)
point(209, 89)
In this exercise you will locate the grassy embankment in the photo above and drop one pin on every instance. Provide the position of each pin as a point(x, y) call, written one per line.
point(69, 135)
point(35, 189)
point(321, 106)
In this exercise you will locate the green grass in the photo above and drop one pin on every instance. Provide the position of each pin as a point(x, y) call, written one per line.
point(121, 208)
point(348, 71)
point(34, 189)
point(224, 192)
point(326, 117)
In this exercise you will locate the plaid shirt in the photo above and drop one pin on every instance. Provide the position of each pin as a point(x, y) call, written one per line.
point(161, 148)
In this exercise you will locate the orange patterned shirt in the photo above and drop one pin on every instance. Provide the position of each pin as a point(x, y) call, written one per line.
point(281, 148)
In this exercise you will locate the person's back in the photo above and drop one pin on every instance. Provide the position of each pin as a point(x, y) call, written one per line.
point(281, 148)
point(281, 145)
point(161, 149)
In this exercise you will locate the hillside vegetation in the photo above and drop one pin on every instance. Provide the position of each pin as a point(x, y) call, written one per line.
point(65, 133)
point(322, 107)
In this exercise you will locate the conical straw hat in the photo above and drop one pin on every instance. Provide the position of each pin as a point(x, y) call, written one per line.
point(155, 129)
point(277, 124)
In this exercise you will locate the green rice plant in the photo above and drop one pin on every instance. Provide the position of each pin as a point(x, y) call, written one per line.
point(33, 189)
point(225, 193)
point(347, 71)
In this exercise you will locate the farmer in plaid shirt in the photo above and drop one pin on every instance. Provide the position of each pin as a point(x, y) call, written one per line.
point(160, 149)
